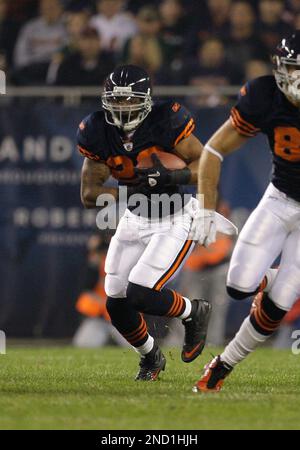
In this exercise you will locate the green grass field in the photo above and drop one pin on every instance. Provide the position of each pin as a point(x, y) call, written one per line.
point(65, 388)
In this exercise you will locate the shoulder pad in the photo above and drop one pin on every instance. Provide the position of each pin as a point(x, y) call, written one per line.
point(175, 113)
point(259, 92)
point(175, 123)
point(90, 134)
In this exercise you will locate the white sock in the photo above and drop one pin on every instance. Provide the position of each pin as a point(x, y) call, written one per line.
point(145, 348)
point(270, 275)
point(187, 310)
point(245, 341)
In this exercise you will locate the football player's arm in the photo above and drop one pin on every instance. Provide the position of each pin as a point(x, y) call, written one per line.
point(190, 150)
point(93, 176)
point(225, 141)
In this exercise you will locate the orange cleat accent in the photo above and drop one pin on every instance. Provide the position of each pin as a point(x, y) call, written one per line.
point(214, 375)
point(190, 356)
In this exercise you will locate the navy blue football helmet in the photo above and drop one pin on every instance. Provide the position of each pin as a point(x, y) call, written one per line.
point(287, 66)
point(126, 97)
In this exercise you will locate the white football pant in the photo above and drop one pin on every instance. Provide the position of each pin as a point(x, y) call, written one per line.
point(148, 252)
point(272, 228)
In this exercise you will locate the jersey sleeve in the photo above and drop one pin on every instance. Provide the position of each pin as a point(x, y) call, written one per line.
point(180, 124)
point(87, 139)
point(247, 115)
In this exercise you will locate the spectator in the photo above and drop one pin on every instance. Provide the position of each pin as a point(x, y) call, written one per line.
point(37, 42)
point(218, 17)
point(113, 25)
point(211, 20)
point(91, 63)
point(146, 49)
point(210, 71)
point(76, 22)
point(174, 27)
point(256, 68)
point(292, 10)
point(8, 34)
point(242, 43)
point(41, 37)
point(271, 26)
point(293, 6)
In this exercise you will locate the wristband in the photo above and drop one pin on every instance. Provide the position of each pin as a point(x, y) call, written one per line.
point(214, 152)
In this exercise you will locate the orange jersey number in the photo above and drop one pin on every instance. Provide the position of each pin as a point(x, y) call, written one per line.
point(121, 167)
point(287, 143)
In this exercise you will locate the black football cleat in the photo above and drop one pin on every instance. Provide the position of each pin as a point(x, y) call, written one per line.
point(151, 365)
point(195, 330)
point(214, 375)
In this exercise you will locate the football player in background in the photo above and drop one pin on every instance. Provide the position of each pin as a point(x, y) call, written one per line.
point(271, 105)
point(145, 253)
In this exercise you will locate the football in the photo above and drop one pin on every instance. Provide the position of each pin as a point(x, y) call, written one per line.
point(169, 160)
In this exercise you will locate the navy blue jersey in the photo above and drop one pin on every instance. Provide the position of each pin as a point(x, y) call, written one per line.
point(166, 125)
point(262, 107)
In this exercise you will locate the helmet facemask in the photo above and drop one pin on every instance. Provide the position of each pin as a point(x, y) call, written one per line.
point(287, 75)
point(126, 109)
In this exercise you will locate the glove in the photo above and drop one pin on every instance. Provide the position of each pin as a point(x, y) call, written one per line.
point(159, 176)
point(206, 223)
point(203, 228)
point(225, 226)
point(209, 230)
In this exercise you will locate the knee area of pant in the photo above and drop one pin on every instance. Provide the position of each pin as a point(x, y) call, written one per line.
point(284, 294)
point(236, 294)
point(285, 288)
point(115, 286)
point(142, 275)
point(244, 278)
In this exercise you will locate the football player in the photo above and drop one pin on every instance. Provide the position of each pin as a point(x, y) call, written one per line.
point(270, 105)
point(145, 253)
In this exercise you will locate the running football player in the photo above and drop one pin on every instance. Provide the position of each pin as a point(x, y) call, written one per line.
point(270, 105)
point(145, 253)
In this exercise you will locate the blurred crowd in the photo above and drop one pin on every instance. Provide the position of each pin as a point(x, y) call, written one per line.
point(180, 42)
